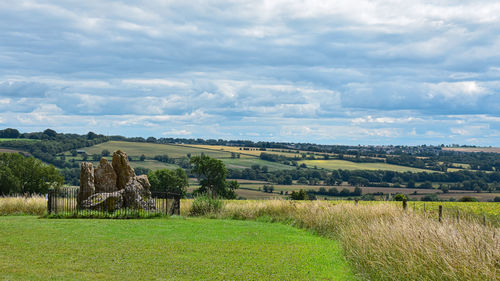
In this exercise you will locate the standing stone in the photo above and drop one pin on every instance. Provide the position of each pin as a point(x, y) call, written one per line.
point(122, 169)
point(143, 180)
point(136, 196)
point(87, 187)
point(105, 177)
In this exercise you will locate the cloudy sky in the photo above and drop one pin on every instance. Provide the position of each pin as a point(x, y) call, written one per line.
point(334, 72)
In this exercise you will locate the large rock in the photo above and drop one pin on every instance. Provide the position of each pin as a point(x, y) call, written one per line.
point(105, 177)
point(87, 187)
point(113, 186)
point(105, 201)
point(144, 181)
point(136, 196)
point(122, 169)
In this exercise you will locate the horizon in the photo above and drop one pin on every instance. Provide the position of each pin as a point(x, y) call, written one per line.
point(342, 73)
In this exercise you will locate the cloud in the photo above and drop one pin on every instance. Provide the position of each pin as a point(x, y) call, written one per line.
point(327, 71)
point(22, 89)
point(177, 133)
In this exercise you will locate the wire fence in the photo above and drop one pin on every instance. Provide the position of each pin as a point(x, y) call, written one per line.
point(65, 200)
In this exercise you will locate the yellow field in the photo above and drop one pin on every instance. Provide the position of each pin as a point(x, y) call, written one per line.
point(348, 165)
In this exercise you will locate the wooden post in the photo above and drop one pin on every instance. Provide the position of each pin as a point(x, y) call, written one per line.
point(458, 216)
point(49, 202)
point(356, 201)
point(404, 204)
point(424, 208)
point(440, 212)
point(484, 220)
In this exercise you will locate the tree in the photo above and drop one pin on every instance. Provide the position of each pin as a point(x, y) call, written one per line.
point(141, 171)
point(302, 180)
point(26, 175)
point(212, 175)
point(142, 157)
point(357, 191)
point(9, 133)
point(399, 197)
point(105, 153)
point(299, 195)
point(173, 181)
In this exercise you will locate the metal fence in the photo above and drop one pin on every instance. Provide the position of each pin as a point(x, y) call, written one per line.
point(64, 200)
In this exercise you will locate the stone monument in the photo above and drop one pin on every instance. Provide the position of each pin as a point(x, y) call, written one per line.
point(113, 186)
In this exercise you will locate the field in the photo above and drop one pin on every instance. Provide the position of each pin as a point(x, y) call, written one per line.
point(152, 149)
point(160, 249)
point(249, 162)
point(252, 151)
point(6, 150)
point(7, 139)
point(348, 165)
point(473, 149)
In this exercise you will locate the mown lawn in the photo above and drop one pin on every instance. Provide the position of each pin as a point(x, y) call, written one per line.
point(164, 249)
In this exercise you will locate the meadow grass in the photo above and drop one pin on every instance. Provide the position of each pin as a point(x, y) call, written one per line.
point(348, 165)
point(164, 249)
point(20, 205)
point(383, 242)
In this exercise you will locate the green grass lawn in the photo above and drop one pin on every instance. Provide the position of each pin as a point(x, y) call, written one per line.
point(348, 165)
point(164, 249)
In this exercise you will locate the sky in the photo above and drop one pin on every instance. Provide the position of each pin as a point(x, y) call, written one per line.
point(328, 72)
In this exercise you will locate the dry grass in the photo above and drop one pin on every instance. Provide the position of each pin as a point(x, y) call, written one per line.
point(20, 205)
point(382, 242)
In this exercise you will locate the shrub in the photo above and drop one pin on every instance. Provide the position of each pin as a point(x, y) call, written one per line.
point(399, 197)
point(299, 195)
point(468, 199)
point(204, 205)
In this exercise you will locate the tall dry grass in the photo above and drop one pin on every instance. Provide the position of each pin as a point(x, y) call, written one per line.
point(383, 242)
point(20, 205)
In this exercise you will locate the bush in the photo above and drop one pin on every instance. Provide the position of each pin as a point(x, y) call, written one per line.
point(399, 197)
point(299, 195)
point(204, 205)
point(497, 199)
point(468, 199)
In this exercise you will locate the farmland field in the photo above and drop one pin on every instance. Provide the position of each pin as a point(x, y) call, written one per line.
point(7, 139)
point(248, 150)
point(186, 249)
point(248, 162)
point(348, 165)
point(152, 149)
point(473, 149)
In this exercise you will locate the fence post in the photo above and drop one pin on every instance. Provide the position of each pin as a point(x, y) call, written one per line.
point(440, 212)
point(484, 220)
point(177, 205)
point(458, 216)
point(49, 202)
point(405, 204)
